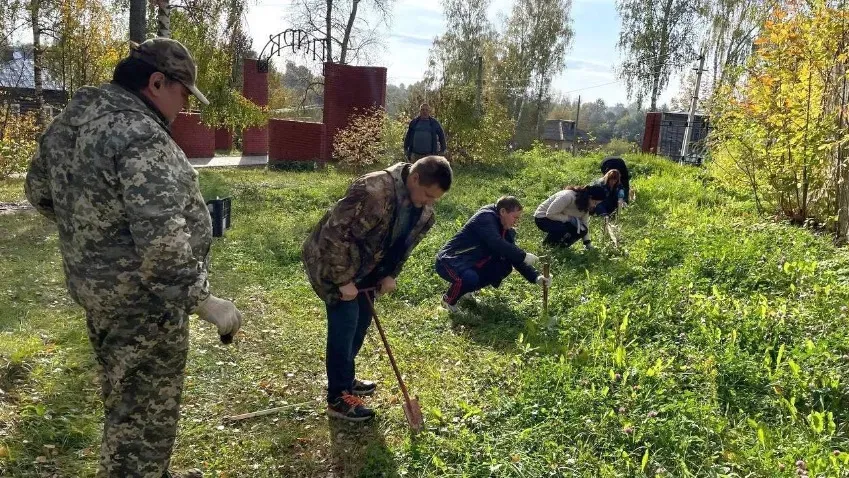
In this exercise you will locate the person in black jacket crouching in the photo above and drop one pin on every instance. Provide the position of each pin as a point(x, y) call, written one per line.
point(484, 253)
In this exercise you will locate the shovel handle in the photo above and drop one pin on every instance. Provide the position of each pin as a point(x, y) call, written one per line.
point(388, 350)
point(546, 272)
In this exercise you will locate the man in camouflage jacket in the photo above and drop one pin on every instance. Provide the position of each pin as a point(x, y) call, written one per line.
point(135, 234)
point(362, 243)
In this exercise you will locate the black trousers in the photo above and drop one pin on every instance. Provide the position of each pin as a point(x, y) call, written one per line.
point(560, 233)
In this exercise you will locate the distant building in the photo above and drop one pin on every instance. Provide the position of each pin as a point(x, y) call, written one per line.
point(664, 135)
point(559, 134)
point(17, 85)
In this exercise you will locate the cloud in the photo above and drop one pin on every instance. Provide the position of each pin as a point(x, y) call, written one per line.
point(415, 40)
point(590, 66)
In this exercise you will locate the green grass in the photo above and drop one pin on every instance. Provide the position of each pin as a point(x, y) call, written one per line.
point(713, 344)
point(12, 190)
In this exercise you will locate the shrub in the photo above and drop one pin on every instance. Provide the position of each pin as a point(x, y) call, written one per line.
point(371, 137)
point(484, 143)
point(18, 140)
point(618, 147)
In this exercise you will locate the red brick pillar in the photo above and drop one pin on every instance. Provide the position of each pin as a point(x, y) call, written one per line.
point(651, 132)
point(195, 138)
point(255, 88)
point(347, 90)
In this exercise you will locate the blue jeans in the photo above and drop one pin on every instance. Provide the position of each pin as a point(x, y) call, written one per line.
point(474, 278)
point(347, 324)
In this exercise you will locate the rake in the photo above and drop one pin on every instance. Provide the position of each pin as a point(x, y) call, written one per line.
point(412, 409)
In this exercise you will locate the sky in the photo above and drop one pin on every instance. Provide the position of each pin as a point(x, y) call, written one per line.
point(589, 63)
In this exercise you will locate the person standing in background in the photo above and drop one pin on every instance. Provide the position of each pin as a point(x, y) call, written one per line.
point(424, 137)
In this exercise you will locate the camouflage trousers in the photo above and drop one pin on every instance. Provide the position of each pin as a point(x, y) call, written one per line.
point(143, 356)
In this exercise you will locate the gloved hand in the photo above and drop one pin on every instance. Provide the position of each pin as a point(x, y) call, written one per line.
point(542, 280)
point(222, 313)
point(588, 245)
point(530, 259)
point(622, 204)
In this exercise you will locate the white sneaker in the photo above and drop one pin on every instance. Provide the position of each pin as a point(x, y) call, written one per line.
point(470, 296)
point(449, 307)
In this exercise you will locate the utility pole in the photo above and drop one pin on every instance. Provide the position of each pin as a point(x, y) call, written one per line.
point(479, 96)
point(575, 129)
point(688, 130)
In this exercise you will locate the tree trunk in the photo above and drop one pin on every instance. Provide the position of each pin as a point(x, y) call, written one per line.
point(35, 12)
point(662, 55)
point(842, 153)
point(328, 17)
point(343, 53)
point(138, 20)
point(654, 82)
point(540, 94)
point(163, 18)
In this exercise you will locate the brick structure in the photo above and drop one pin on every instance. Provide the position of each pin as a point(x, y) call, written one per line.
point(223, 139)
point(254, 88)
point(196, 139)
point(346, 90)
point(651, 133)
point(294, 141)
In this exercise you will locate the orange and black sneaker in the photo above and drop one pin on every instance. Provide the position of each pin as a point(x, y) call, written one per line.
point(351, 408)
point(363, 388)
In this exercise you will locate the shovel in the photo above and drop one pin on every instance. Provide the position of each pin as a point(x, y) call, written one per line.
point(412, 409)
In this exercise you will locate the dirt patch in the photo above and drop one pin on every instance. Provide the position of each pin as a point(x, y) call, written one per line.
point(15, 207)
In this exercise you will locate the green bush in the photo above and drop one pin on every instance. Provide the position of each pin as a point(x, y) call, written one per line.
point(485, 142)
point(18, 141)
point(618, 147)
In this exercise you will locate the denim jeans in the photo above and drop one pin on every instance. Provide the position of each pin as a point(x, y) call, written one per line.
point(347, 324)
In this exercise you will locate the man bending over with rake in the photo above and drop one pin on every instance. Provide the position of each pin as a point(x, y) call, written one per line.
point(359, 246)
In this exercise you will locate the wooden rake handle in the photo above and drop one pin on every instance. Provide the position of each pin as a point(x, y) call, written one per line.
point(388, 349)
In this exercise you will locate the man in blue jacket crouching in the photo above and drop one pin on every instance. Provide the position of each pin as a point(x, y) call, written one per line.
point(484, 252)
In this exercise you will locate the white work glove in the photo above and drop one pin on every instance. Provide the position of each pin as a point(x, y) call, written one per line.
point(530, 259)
point(542, 280)
point(222, 313)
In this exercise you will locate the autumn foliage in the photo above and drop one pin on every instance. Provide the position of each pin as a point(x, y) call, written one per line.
point(778, 128)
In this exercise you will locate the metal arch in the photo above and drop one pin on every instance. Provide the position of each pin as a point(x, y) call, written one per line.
point(297, 40)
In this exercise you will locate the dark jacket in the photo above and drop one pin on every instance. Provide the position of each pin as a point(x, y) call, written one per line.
point(614, 194)
point(352, 239)
point(483, 239)
point(615, 162)
point(436, 134)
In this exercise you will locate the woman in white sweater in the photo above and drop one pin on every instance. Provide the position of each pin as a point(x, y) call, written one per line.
point(565, 215)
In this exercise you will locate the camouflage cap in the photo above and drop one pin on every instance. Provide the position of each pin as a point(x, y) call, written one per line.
point(171, 58)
